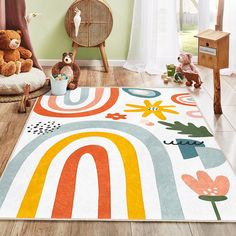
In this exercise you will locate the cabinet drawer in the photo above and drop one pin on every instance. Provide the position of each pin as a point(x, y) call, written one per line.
point(207, 60)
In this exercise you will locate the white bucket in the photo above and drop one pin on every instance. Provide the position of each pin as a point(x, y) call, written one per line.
point(58, 87)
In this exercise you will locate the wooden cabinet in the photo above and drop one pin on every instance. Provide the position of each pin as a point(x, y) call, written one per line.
point(96, 25)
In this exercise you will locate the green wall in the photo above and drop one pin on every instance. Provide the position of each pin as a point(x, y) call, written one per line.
point(50, 39)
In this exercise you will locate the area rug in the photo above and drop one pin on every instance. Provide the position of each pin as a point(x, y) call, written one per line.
point(118, 154)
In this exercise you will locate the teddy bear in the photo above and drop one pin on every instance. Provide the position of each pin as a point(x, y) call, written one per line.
point(188, 70)
point(69, 68)
point(13, 57)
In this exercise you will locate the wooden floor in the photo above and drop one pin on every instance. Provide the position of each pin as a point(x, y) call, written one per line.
point(224, 128)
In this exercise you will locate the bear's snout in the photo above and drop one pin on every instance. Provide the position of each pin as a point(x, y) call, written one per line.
point(67, 60)
point(180, 59)
point(14, 44)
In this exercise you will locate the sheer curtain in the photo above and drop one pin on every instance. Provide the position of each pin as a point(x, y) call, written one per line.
point(154, 37)
point(203, 15)
point(230, 26)
point(207, 19)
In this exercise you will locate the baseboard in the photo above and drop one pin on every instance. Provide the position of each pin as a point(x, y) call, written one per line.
point(114, 63)
point(195, 59)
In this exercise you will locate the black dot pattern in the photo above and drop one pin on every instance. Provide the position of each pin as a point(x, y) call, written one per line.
point(43, 128)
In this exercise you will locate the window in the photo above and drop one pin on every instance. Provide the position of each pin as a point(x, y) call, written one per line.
point(188, 12)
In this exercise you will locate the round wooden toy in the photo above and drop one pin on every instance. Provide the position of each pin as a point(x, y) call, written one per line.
point(95, 27)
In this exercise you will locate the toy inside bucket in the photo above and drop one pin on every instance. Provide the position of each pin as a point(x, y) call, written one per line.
point(59, 84)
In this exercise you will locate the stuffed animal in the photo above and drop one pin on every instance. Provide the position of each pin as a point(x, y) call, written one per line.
point(188, 70)
point(69, 68)
point(13, 57)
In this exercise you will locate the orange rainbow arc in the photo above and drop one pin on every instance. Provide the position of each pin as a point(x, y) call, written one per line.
point(63, 204)
point(39, 109)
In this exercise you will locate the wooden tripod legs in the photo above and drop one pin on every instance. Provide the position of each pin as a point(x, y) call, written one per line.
point(104, 56)
point(217, 92)
point(102, 50)
point(75, 50)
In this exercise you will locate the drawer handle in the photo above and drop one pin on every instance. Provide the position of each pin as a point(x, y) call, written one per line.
point(207, 44)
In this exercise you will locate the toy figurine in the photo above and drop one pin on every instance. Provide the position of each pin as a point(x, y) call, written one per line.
point(171, 70)
point(25, 102)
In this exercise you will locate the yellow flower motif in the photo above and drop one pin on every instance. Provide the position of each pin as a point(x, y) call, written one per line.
point(155, 109)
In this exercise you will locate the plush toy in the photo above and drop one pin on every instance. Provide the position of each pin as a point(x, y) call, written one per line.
point(13, 58)
point(188, 70)
point(69, 68)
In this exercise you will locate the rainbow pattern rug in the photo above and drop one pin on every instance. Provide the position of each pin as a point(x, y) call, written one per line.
point(118, 154)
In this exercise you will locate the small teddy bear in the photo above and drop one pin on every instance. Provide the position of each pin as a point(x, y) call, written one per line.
point(188, 70)
point(13, 57)
point(68, 68)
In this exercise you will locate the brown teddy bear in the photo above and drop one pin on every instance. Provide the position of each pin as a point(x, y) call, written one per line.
point(13, 58)
point(188, 70)
point(69, 68)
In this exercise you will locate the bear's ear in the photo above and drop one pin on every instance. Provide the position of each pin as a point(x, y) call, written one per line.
point(189, 55)
point(64, 54)
point(19, 32)
point(2, 32)
point(71, 54)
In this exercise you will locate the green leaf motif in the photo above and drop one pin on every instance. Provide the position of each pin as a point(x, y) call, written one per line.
point(190, 129)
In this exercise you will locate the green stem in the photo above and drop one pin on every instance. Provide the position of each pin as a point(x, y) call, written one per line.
point(216, 210)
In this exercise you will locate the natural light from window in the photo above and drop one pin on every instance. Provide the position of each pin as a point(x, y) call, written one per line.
point(188, 26)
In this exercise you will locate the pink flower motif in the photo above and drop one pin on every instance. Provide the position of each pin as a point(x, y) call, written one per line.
point(208, 189)
point(205, 186)
point(147, 122)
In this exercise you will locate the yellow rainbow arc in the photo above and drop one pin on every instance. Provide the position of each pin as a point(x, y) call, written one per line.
point(134, 195)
